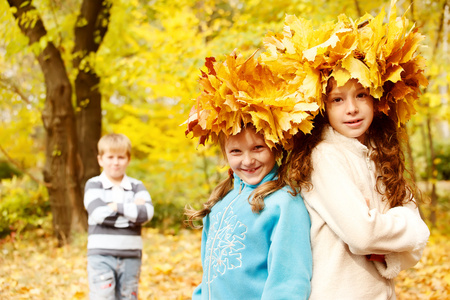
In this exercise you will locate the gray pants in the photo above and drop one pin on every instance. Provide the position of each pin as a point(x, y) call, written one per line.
point(112, 277)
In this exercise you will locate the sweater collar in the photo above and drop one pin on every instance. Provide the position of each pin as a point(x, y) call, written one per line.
point(270, 176)
point(107, 184)
point(352, 144)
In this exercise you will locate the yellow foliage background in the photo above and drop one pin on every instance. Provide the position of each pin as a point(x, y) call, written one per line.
point(149, 65)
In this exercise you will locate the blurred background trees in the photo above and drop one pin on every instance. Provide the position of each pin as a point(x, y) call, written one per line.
point(131, 67)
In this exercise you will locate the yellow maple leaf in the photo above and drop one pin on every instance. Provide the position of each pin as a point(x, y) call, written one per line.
point(358, 70)
point(240, 91)
point(393, 74)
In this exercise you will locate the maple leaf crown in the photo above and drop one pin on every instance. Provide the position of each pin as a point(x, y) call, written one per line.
point(238, 92)
point(382, 56)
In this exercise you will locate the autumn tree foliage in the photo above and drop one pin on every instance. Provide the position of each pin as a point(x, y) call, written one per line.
point(65, 168)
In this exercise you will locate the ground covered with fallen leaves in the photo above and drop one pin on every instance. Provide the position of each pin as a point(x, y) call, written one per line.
point(33, 267)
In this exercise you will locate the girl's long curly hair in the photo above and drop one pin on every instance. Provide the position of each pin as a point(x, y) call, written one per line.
point(256, 198)
point(383, 136)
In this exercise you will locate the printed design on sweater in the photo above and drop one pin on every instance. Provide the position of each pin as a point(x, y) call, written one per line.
point(224, 248)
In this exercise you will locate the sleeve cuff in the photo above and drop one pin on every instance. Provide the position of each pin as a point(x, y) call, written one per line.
point(391, 268)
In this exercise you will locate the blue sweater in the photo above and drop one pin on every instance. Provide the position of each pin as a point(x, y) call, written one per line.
point(248, 255)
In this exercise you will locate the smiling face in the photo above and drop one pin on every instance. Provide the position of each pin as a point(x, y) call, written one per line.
point(350, 109)
point(249, 156)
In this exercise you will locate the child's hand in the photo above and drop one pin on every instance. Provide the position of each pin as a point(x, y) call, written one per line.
point(113, 206)
point(139, 201)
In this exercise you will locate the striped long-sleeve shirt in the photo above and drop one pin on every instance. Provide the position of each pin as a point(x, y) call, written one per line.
point(116, 233)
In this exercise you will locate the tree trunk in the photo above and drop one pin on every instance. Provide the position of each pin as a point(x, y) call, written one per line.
point(433, 174)
point(61, 168)
point(95, 14)
point(412, 170)
point(358, 9)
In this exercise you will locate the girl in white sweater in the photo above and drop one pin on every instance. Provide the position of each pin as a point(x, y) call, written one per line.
point(365, 225)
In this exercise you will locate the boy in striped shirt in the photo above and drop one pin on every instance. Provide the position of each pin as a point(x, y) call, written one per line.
point(117, 206)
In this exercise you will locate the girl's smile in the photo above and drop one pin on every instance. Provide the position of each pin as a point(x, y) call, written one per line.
point(249, 156)
point(250, 170)
point(355, 122)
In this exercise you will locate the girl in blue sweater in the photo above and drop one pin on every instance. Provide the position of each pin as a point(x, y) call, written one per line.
point(255, 240)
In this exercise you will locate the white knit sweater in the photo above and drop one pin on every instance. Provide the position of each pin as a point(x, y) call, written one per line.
point(344, 229)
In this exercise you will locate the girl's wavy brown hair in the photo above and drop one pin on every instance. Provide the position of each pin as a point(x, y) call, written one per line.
point(256, 198)
point(383, 135)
